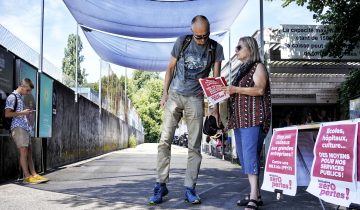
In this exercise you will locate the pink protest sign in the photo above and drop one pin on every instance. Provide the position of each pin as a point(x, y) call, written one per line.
point(333, 168)
point(280, 167)
point(334, 155)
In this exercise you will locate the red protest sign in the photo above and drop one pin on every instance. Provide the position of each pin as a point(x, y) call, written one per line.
point(280, 167)
point(334, 155)
point(333, 170)
point(281, 157)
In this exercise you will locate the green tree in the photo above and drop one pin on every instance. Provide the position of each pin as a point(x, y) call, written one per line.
point(145, 91)
point(342, 16)
point(349, 89)
point(69, 62)
point(141, 77)
point(146, 101)
point(93, 85)
point(111, 81)
point(112, 88)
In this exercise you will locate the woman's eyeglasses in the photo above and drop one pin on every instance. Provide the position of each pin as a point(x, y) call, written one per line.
point(238, 48)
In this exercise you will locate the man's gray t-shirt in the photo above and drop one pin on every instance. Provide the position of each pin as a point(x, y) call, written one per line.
point(193, 65)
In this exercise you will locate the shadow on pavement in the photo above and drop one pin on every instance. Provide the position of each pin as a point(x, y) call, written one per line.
point(125, 180)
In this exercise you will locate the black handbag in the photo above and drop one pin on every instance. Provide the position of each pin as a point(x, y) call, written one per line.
point(210, 127)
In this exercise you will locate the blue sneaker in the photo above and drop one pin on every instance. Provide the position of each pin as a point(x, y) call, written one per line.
point(160, 191)
point(191, 196)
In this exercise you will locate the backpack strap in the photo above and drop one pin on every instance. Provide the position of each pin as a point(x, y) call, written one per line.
point(212, 51)
point(15, 106)
point(184, 45)
point(213, 45)
point(16, 102)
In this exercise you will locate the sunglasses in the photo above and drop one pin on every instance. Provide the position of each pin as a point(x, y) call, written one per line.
point(238, 48)
point(199, 37)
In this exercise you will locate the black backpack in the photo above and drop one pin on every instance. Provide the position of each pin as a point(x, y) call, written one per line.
point(6, 121)
point(186, 42)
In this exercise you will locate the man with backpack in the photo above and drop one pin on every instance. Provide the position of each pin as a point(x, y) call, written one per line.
point(192, 58)
point(18, 122)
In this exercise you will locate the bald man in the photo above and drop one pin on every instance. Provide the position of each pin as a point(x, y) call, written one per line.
point(193, 56)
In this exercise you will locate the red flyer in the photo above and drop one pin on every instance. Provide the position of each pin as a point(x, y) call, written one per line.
point(334, 166)
point(280, 167)
point(212, 89)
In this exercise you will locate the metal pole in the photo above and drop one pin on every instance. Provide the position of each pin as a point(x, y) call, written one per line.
point(108, 94)
point(76, 63)
point(38, 82)
point(40, 67)
point(100, 88)
point(261, 30)
point(222, 147)
point(229, 56)
point(125, 83)
point(229, 84)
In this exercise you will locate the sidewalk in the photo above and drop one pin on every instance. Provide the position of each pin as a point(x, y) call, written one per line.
point(124, 180)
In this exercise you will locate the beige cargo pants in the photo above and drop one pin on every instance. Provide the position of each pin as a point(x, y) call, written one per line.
point(193, 108)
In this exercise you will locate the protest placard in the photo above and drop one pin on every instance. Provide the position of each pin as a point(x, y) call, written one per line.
point(333, 169)
point(280, 167)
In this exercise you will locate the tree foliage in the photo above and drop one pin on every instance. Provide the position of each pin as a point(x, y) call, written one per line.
point(69, 61)
point(349, 89)
point(342, 16)
point(141, 77)
point(110, 85)
point(145, 91)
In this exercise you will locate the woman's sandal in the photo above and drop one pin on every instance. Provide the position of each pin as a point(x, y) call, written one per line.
point(246, 200)
point(253, 206)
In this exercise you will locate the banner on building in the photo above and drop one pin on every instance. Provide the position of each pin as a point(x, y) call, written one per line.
point(334, 167)
point(280, 167)
point(307, 41)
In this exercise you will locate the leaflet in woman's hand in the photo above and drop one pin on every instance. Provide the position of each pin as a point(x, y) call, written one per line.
point(212, 89)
